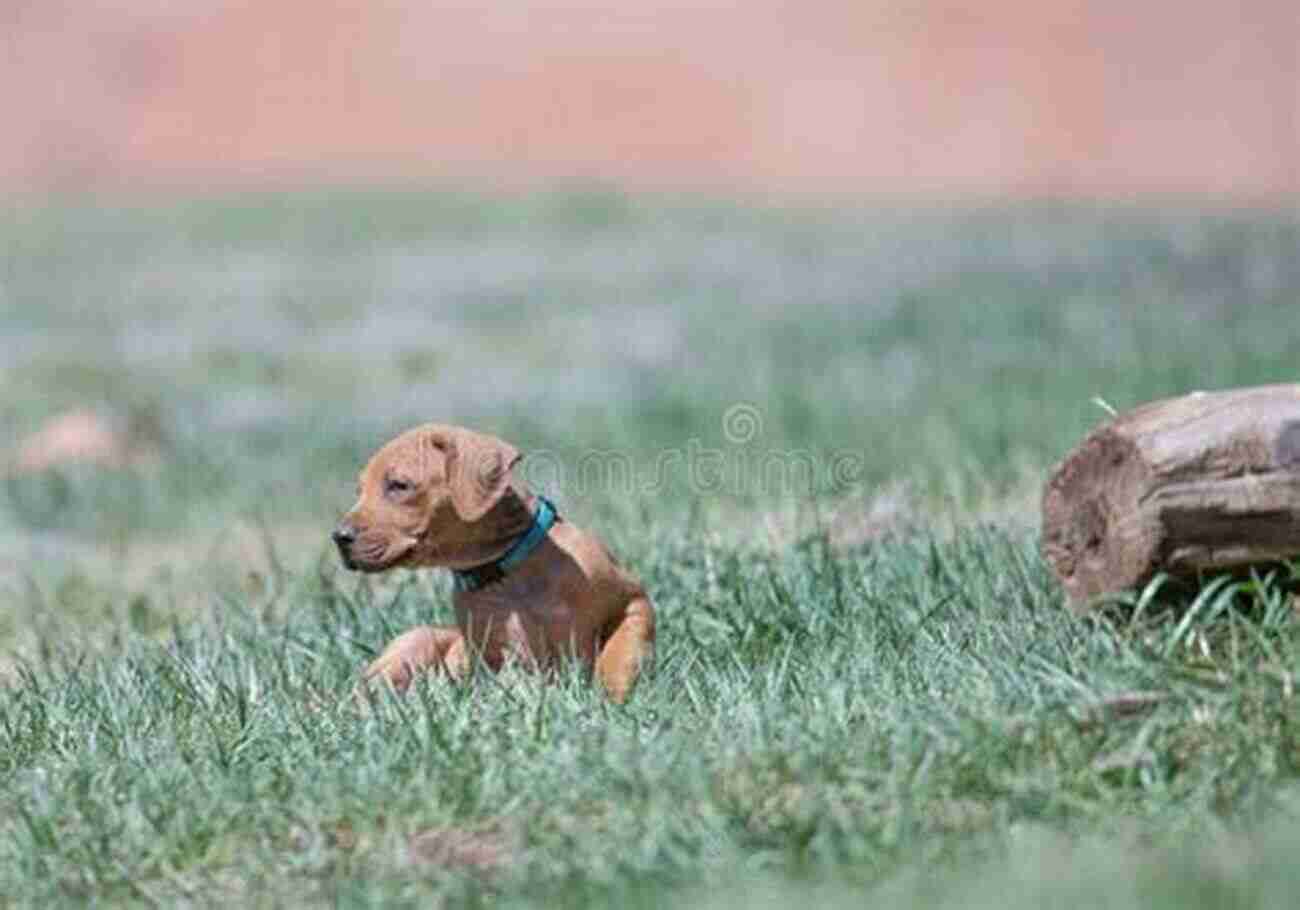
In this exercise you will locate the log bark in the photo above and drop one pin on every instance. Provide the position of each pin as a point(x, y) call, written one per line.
point(1208, 482)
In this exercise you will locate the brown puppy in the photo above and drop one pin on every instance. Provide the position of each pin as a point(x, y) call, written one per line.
point(528, 591)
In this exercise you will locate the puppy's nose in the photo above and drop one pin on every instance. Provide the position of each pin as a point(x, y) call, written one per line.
point(344, 534)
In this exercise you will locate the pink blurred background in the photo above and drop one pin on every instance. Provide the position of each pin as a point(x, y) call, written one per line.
point(896, 97)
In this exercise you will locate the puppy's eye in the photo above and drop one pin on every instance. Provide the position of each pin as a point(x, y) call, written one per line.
point(396, 486)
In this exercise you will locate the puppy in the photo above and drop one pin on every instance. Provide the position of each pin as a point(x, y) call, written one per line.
point(530, 587)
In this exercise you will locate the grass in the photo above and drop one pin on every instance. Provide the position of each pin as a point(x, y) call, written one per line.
point(868, 691)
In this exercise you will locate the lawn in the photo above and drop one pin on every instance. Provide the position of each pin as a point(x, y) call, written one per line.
point(818, 434)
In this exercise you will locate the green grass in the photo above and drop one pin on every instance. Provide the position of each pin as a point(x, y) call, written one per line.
point(866, 693)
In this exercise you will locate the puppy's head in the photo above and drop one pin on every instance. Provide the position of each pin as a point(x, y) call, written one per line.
point(435, 496)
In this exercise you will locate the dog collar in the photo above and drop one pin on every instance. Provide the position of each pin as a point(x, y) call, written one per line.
point(486, 574)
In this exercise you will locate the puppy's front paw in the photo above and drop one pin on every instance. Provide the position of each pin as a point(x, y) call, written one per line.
point(414, 652)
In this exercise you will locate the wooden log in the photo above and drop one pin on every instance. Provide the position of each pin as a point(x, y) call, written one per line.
point(1208, 482)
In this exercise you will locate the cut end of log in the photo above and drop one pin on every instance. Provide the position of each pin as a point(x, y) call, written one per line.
point(1090, 536)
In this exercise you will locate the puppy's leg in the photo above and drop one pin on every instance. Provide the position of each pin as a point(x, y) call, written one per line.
point(416, 650)
point(627, 650)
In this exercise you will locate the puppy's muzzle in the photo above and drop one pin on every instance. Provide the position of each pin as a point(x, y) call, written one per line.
point(344, 536)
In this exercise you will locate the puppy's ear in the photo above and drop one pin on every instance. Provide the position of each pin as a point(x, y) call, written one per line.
point(478, 471)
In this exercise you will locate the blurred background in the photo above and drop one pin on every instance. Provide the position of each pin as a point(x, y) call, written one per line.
point(894, 97)
point(241, 244)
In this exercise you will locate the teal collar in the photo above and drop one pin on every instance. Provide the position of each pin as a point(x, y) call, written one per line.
point(486, 574)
